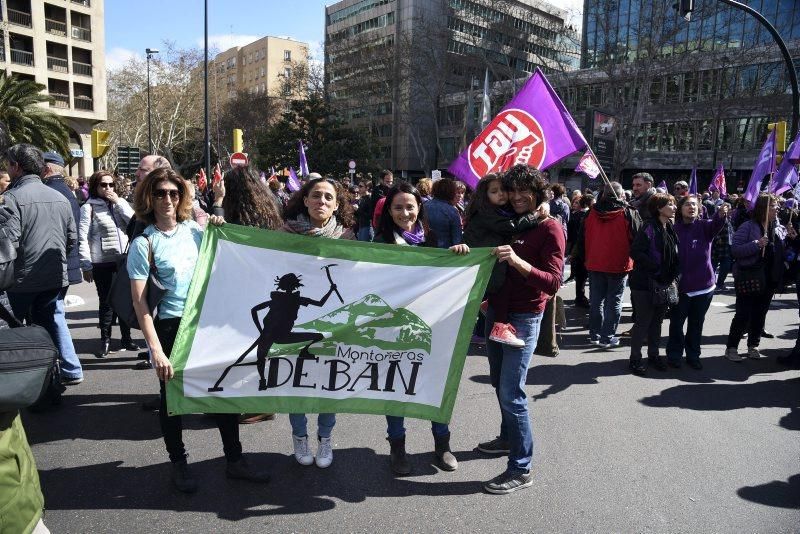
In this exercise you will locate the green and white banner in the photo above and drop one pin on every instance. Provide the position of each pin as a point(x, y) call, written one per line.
point(276, 322)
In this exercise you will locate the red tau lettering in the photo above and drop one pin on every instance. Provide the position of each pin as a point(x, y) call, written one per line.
point(513, 137)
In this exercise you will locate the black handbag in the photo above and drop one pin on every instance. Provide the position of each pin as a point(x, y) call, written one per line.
point(751, 281)
point(119, 296)
point(664, 294)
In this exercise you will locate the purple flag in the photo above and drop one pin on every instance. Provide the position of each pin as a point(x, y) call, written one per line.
point(303, 161)
point(787, 175)
point(663, 185)
point(765, 164)
point(262, 177)
point(533, 129)
point(589, 165)
point(292, 184)
point(693, 182)
point(718, 182)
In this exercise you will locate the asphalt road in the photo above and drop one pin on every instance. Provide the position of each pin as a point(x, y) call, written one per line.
point(715, 450)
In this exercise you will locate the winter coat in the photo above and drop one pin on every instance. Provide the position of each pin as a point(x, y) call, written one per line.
point(73, 263)
point(605, 240)
point(654, 257)
point(747, 253)
point(445, 222)
point(21, 500)
point(101, 231)
point(42, 222)
point(694, 251)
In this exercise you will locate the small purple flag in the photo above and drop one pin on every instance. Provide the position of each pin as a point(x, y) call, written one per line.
point(533, 129)
point(262, 177)
point(787, 175)
point(663, 185)
point(588, 165)
point(693, 182)
point(765, 164)
point(303, 161)
point(718, 182)
point(292, 184)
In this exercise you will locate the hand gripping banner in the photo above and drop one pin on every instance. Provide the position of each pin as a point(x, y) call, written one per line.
point(277, 322)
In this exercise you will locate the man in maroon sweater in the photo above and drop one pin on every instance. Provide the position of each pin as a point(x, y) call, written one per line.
point(535, 260)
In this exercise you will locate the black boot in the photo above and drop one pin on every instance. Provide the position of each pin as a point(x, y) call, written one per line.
point(104, 347)
point(444, 458)
point(182, 477)
point(398, 458)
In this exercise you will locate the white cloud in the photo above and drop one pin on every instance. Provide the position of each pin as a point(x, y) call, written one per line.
point(118, 57)
point(224, 42)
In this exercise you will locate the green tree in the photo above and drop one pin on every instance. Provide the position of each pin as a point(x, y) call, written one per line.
point(28, 122)
point(329, 143)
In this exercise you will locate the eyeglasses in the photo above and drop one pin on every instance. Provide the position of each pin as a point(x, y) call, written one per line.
point(174, 194)
point(106, 184)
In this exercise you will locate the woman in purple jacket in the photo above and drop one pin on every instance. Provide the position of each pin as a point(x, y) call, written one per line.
point(759, 240)
point(696, 286)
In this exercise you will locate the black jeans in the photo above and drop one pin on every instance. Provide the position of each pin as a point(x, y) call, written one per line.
point(649, 318)
point(103, 275)
point(172, 425)
point(751, 312)
point(580, 274)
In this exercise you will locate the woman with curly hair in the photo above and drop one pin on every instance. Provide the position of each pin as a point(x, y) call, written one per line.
point(321, 208)
point(244, 200)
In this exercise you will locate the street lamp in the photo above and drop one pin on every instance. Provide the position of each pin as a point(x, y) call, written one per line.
point(150, 52)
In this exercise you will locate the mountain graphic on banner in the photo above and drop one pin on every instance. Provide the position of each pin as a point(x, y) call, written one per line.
point(367, 322)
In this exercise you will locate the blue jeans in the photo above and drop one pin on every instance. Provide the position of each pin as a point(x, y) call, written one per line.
point(47, 310)
point(694, 309)
point(365, 234)
point(605, 304)
point(508, 371)
point(325, 423)
point(395, 428)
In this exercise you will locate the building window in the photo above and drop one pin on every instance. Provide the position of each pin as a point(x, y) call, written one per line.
point(287, 73)
point(287, 55)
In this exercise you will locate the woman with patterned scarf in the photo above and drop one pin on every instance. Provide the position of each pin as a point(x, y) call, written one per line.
point(321, 208)
point(403, 223)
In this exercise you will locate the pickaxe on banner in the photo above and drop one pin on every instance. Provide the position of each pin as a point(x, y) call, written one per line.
point(328, 272)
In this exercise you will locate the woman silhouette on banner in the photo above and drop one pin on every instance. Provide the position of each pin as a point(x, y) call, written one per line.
point(284, 305)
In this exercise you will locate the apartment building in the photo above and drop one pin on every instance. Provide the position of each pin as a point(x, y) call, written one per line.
point(259, 67)
point(61, 44)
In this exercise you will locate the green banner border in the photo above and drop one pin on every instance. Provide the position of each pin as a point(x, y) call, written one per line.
point(345, 250)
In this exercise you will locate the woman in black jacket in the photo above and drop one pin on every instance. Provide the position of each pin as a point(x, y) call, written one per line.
point(655, 268)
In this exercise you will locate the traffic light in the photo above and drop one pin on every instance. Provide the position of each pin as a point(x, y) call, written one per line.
point(684, 8)
point(238, 141)
point(99, 143)
point(780, 135)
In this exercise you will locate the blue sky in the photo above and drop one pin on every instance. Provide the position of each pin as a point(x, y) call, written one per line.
point(133, 26)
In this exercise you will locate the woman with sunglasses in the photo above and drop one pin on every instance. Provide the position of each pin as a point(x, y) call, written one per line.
point(101, 240)
point(172, 242)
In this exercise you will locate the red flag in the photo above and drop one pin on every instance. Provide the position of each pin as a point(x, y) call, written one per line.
point(589, 165)
point(217, 175)
point(202, 183)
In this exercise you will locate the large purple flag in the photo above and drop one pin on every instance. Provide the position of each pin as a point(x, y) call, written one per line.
point(765, 164)
point(292, 184)
point(303, 161)
point(693, 182)
point(533, 129)
point(787, 175)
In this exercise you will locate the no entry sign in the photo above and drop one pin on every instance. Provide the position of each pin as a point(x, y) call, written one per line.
point(238, 159)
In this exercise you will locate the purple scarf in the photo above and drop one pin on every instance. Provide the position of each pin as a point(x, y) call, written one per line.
point(416, 236)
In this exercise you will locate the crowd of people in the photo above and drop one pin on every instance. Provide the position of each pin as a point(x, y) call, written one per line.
point(674, 251)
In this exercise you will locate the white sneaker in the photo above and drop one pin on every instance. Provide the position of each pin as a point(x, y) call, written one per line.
point(301, 451)
point(753, 353)
point(732, 353)
point(324, 453)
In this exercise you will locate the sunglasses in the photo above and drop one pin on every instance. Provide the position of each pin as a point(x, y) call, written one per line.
point(106, 184)
point(160, 194)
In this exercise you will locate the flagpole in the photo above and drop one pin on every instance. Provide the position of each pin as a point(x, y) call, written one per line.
point(602, 172)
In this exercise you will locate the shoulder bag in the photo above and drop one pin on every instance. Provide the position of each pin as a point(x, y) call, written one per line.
point(119, 296)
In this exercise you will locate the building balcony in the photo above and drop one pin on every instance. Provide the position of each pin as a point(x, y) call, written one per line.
point(22, 57)
point(55, 27)
point(82, 34)
point(84, 69)
point(59, 101)
point(20, 18)
point(84, 102)
point(57, 64)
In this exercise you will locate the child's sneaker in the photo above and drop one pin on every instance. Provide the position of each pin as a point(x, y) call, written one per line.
point(505, 333)
point(302, 452)
point(484, 307)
